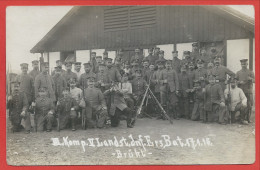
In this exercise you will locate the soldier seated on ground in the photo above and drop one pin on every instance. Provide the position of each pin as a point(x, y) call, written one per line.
point(237, 101)
point(96, 109)
point(119, 107)
point(44, 111)
point(67, 110)
point(17, 104)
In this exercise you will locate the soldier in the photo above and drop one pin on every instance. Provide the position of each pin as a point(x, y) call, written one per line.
point(203, 56)
point(118, 66)
point(119, 107)
point(93, 62)
point(17, 104)
point(68, 74)
point(149, 74)
point(156, 53)
point(26, 83)
point(198, 108)
point(59, 82)
point(77, 68)
point(195, 52)
point(98, 60)
point(127, 68)
point(221, 72)
point(135, 66)
point(176, 62)
point(238, 101)
point(113, 73)
point(169, 82)
point(214, 102)
point(45, 80)
point(201, 73)
point(137, 57)
point(103, 79)
point(84, 77)
point(105, 55)
point(161, 56)
point(96, 109)
point(151, 58)
point(156, 80)
point(186, 58)
point(138, 86)
point(145, 66)
point(185, 85)
point(36, 70)
point(67, 108)
point(210, 67)
point(246, 78)
point(58, 64)
point(44, 110)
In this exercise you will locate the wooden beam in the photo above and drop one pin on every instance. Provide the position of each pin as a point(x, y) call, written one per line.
point(225, 52)
point(251, 58)
point(48, 58)
point(174, 47)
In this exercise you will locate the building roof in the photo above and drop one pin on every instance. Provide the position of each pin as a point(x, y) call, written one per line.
point(99, 27)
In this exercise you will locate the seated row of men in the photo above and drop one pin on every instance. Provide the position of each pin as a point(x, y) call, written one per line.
point(195, 92)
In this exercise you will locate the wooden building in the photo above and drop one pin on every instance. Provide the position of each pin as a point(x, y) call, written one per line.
point(111, 28)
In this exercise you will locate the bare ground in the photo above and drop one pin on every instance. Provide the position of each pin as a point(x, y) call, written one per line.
point(231, 144)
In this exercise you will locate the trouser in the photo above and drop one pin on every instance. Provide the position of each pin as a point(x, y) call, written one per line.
point(44, 121)
point(95, 118)
point(16, 119)
point(218, 113)
point(198, 111)
point(250, 103)
point(66, 119)
point(184, 106)
point(243, 112)
point(115, 119)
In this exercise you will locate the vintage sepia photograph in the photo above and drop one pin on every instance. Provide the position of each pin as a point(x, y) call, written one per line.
point(130, 85)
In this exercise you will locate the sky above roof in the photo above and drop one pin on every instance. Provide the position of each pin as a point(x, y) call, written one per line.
point(26, 25)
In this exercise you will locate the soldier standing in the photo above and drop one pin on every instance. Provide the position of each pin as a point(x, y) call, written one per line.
point(201, 73)
point(103, 79)
point(59, 82)
point(176, 62)
point(186, 58)
point(96, 110)
point(156, 79)
point(77, 68)
point(214, 101)
point(105, 55)
point(198, 112)
point(44, 110)
point(161, 56)
point(84, 77)
point(98, 60)
point(68, 74)
point(17, 104)
point(151, 58)
point(36, 70)
point(93, 62)
point(26, 83)
point(137, 57)
point(185, 85)
point(45, 80)
point(169, 82)
point(58, 64)
point(67, 108)
point(113, 73)
point(195, 54)
point(246, 78)
point(145, 66)
point(221, 72)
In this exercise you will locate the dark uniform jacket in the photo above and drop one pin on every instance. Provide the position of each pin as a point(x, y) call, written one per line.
point(184, 83)
point(60, 84)
point(138, 86)
point(156, 80)
point(18, 103)
point(176, 64)
point(103, 81)
point(151, 59)
point(45, 80)
point(43, 106)
point(83, 80)
point(65, 106)
point(26, 86)
point(34, 73)
point(243, 75)
point(69, 75)
point(114, 74)
point(172, 80)
point(213, 94)
point(221, 71)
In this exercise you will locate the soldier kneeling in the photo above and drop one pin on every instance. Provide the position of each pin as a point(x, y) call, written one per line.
point(18, 105)
point(96, 110)
point(119, 107)
point(66, 110)
point(44, 110)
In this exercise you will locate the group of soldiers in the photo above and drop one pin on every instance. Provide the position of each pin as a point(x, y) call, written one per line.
point(198, 87)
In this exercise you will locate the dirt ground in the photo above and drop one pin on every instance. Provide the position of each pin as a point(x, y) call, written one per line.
point(226, 144)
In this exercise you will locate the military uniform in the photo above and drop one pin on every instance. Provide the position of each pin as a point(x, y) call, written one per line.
point(138, 87)
point(114, 74)
point(96, 112)
point(26, 86)
point(198, 111)
point(169, 86)
point(46, 81)
point(69, 75)
point(214, 95)
point(60, 84)
point(185, 84)
point(66, 110)
point(16, 106)
point(84, 78)
point(58, 64)
point(156, 82)
point(201, 75)
point(221, 72)
point(176, 64)
point(35, 71)
point(246, 78)
point(44, 111)
point(103, 81)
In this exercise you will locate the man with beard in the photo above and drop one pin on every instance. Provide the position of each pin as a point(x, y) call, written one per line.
point(238, 101)
point(84, 77)
point(113, 73)
point(68, 74)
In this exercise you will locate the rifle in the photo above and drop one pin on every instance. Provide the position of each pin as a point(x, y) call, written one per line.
point(160, 106)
